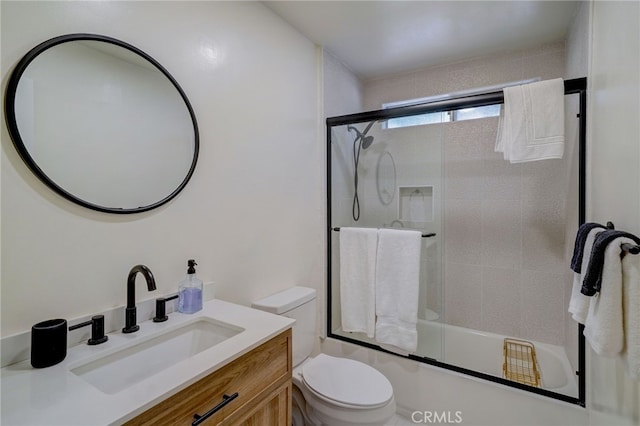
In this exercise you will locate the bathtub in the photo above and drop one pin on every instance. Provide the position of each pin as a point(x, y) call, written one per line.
point(482, 351)
point(425, 388)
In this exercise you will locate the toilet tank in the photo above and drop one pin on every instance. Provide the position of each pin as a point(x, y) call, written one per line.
point(298, 303)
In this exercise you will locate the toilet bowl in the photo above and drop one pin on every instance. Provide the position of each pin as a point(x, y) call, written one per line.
point(328, 390)
point(341, 392)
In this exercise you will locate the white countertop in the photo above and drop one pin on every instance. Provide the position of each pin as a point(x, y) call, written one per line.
point(56, 396)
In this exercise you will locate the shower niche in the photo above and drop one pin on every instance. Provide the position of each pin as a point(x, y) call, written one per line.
point(486, 229)
point(415, 203)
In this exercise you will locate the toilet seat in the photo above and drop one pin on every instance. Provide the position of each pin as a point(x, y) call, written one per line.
point(346, 382)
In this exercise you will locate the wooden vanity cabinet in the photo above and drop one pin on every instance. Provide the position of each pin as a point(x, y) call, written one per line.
point(261, 378)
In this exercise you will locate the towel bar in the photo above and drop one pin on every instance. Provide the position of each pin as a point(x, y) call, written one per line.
point(629, 248)
point(429, 235)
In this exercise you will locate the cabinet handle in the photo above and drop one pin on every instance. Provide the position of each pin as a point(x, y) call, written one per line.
point(225, 400)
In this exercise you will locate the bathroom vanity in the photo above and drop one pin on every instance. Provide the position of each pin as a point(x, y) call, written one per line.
point(254, 389)
point(226, 356)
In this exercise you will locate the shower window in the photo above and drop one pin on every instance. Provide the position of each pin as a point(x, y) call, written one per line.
point(492, 276)
point(477, 112)
point(448, 115)
point(444, 117)
point(419, 120)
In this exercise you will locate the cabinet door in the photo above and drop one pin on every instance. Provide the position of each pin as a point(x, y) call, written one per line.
point(274, 410)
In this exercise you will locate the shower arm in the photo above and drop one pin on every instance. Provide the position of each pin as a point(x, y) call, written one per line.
point(359, 134)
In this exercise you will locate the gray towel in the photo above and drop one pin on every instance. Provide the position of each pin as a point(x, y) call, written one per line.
point(578, 248)
point(592, 281)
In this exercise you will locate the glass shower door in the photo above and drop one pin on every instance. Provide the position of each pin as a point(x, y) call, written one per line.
point(391, 178)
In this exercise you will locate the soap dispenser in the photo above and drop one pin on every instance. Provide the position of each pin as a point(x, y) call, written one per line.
point(190, 293)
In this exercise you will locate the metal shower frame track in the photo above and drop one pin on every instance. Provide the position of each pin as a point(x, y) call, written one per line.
point(571, 87)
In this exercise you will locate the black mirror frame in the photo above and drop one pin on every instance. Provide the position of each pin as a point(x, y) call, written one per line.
point(18, 143)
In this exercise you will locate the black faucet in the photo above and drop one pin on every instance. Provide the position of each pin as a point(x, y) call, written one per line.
point(130, 325)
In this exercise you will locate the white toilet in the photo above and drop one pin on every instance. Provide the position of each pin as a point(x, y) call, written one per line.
point(328, 390)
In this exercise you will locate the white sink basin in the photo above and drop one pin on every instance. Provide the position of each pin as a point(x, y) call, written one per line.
point(118, 371)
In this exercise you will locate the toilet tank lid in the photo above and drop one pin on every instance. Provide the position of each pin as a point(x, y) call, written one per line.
point(285, 300)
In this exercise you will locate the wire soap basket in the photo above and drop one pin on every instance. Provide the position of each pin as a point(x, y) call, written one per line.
point(520, 362)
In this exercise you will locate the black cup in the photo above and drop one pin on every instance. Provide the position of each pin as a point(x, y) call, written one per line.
point(48, 343)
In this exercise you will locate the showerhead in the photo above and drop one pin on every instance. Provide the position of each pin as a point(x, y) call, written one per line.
point(367, 141)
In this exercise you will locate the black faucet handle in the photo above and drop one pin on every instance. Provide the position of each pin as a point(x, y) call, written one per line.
point(161, 308)
point(97, 329)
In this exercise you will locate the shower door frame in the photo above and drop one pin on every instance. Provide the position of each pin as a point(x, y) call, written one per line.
point(571, 87)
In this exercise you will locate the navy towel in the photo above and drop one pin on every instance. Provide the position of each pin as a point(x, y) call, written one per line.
point(592, 281)
point(578, 248)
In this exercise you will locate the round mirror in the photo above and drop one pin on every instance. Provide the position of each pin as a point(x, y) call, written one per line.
point(102, 123)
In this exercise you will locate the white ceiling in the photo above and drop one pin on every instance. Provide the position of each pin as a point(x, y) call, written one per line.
point(374, 38)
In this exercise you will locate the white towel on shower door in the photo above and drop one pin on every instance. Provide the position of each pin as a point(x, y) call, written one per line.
point(579, 303)
point(358, 247)
point(631, 310)
point(397, 279)
point(532, 127)
point(604, 327)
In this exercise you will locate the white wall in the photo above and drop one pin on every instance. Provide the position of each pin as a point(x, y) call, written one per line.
point(251, 215)
point(614, 174)
point(342, 89)
point(577, 66)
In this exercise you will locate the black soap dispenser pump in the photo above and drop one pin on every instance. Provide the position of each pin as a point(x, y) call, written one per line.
point(190, 292)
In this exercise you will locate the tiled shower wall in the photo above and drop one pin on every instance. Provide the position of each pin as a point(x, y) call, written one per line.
point(545, 62)
point(504, 242)
point(504, 224)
